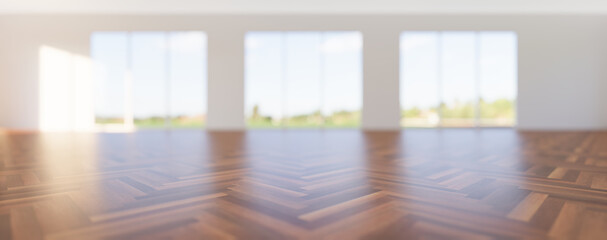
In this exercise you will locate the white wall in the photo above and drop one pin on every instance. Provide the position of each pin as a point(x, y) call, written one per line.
point(306, 7)
point(226, 86)
point(563, 78)
point(562, 60)
point(381, 103)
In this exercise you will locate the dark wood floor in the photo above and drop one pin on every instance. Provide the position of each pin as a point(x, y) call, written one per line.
point(304, 184)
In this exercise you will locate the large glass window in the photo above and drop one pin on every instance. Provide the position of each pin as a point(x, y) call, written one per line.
point(149, 68)
point(419, 88)
point(188, 79)
point(109, 52)
point(458, 79)
point(303, 79)
point(150, 79)
point(498, 77)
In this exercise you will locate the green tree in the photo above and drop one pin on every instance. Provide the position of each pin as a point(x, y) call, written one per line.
point(414, 112)
point(255, 114)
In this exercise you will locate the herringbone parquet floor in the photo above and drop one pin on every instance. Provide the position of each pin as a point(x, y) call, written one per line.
point(304, 184)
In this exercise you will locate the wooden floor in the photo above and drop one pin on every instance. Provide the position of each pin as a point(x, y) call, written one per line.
point(304, 184)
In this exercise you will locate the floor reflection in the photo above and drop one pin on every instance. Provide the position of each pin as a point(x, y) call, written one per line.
point(343, 184)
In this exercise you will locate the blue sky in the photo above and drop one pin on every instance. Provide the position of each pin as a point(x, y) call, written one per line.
point(154, 55)
point(292, 73)
point(420, 68)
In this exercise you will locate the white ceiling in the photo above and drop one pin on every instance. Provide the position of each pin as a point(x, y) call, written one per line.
point(304, 6)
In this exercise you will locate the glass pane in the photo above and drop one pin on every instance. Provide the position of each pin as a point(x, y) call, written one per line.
point(498, 76)
point(109, 54)
point(458, 79)
point(149, 69)
point(303, 79)
point(419, 86)
point(303, 66)
point(342, 79)
point(264, 75)
point(188, 79)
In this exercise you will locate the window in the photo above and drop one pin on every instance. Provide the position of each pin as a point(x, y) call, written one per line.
point(458, 79)
point(110, 57)
point(303, 79)
point(150, 79)
point(149, 68)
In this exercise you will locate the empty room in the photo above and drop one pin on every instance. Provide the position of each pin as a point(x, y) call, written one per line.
point(267, 119)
